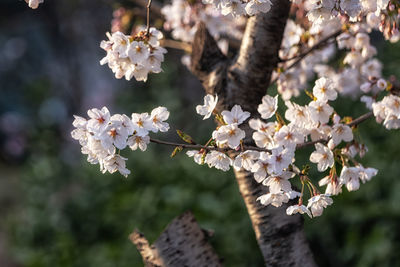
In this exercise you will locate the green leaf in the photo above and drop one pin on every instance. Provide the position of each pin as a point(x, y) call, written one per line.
point(185, 137)
point(176, 151)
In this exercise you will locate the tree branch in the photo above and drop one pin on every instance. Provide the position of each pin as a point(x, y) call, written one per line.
point(353, 123)
point(301, 56)
point(208, 63)
point(318, 45)
point(155, 7)
point(176, 45)
point(361, 119)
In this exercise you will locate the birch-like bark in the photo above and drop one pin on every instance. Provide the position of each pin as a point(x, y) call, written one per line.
point(244, 81)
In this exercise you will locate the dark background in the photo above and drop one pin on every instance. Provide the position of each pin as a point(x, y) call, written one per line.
point(58, 210)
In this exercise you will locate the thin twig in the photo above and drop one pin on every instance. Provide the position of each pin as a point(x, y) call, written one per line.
point(155, 8)
point(301, 56)
point(176, 45)
point(353, 123)
point(148, 16)
point(199, 147)
point(361, 119)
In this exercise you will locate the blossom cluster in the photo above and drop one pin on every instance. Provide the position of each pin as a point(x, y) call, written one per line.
point(34, 3)
point(181, 18)
point(272, 162)
point(134, 56)
point(268, 150)
point(379, 14)
point(388, 111)
point(354, 18)
point(228, 135)
point(360, 69)
point(296, 40)
point(240, 7)
point(103, 135)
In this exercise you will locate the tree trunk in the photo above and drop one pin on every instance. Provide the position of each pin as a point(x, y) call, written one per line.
point(182, 244)
point(244, 81)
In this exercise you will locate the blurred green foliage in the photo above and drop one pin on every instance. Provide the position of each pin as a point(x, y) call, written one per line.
point(66, 213)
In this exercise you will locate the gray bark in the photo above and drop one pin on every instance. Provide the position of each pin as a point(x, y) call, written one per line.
point(182, 244)
point(244, 81)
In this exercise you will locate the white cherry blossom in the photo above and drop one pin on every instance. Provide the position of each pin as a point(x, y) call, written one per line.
point(124, 122)
point(34, 3)
point(292, 33)
point(229, 134)
point(333, 187)
point(279, 183)
point(341, 132)
point(120, 44)
point(324, 90)
point(254, 7)
point(142, 123)
point(321, 132)
point(236, 115)
point(158, 117)
point(318, 203)
point(133, 56)
point(320, 111)
point(114, 135)
point(366, 174)
point(137, 141)
point(298, 209)
point(263, 140)
point(114, 163)
point(268, 106)
point(350, 177)
point(99, 119)
point(210, 102)
point(218, 160)
point(280, 159)
point(138, 52)
point(274, 199)
point(234, 7)
point(246, 160)
point(260, 126)
point(288, 136)
point(261, 167)
point(298, 115)
point(81, 132)
point(323, 156)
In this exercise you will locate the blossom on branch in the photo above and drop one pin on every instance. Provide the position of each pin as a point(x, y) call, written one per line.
point(134, 56)
point(318, 203)
point(34, 3)
point(103, 135)
point(210, 102)
point(323, 156)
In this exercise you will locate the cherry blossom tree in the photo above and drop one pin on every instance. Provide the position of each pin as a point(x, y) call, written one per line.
point(240, 50)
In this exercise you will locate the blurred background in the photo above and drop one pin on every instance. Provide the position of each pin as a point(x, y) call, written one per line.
point(58, 210)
